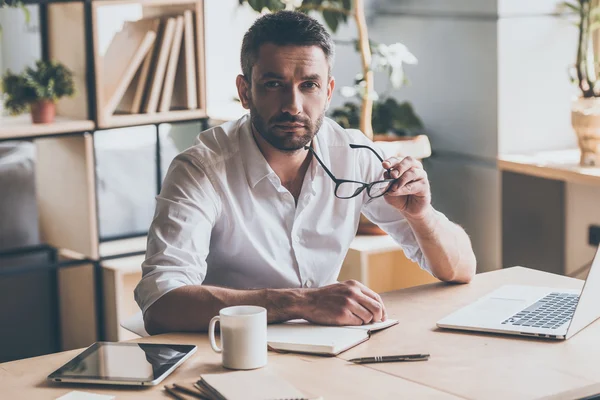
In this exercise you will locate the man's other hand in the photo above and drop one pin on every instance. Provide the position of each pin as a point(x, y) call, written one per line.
point(345, 303)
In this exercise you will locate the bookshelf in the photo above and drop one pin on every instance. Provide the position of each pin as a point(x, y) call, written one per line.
point(91, 295)
point(21, 127)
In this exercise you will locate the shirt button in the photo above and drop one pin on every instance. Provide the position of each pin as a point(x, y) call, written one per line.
point(308, 284)
point(297, 239)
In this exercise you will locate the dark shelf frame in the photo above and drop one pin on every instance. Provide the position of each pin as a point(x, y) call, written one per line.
point(55, 264)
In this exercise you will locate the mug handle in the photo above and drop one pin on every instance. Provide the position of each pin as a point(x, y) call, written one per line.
point(211, 334)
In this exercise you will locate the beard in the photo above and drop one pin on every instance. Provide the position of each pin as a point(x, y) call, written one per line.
point(286, 141)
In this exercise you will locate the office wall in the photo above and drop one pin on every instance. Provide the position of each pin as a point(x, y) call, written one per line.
point(454, 89)
point(492, 78)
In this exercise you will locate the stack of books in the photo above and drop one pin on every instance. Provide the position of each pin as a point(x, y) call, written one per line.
point(258, 384)
point(150, 67)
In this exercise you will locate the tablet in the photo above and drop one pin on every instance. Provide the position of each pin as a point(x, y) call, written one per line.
point(140, 364)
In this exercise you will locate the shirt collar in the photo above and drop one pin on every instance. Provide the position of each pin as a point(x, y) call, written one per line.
point(257, 167)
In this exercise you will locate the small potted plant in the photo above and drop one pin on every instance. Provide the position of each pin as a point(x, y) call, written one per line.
point(585, 109)
point(37, 89)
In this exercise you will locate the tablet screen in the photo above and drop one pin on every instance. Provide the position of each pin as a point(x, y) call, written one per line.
point(123, 361)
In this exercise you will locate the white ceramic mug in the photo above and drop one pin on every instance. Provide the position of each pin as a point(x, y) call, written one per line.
point(243, 336)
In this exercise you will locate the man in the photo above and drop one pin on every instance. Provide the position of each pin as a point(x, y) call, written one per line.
point(252, 215)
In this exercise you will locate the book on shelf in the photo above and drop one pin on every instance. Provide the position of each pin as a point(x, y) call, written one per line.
point(157, 76)
point(185, 95)
point(122, 59)
point(167, 91)
point(139, 85)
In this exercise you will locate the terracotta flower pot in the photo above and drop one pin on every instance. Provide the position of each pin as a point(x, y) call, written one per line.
point(43, 112)
point(417, 147)
point(585, 118)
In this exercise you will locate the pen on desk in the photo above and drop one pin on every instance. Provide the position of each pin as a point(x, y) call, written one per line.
point(382, 359)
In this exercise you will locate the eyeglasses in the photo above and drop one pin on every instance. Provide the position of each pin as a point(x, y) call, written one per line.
point(347, 189)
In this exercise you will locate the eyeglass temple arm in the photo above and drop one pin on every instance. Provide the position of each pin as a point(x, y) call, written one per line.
point(321, 162)
point(362, 146)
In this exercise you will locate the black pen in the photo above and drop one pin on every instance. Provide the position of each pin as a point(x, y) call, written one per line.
point(382, 359)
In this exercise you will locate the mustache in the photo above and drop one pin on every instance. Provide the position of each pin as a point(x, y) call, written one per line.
point(286, 117)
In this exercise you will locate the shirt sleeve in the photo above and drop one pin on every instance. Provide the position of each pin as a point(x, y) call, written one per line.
point(388, 218)
point(179, 236)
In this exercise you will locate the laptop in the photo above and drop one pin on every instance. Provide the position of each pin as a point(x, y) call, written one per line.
point(552, 313)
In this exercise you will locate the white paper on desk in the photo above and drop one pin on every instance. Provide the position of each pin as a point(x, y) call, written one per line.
point(304, 337)
point(370, 327)
point(76, 395)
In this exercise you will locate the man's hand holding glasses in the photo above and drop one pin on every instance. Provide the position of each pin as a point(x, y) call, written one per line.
point(410, 193)
point(404, 185)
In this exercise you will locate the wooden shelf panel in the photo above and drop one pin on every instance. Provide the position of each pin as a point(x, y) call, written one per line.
point(123, 246)
point(66, 193)
point(561, 165)
point(142, 119)
point(374, 244)
point(126, 265)
point(21, 126)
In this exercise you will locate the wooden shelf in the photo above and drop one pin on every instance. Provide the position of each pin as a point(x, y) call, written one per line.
point(142, 119)
point(150, 9)
point(561, 165)
point(123, 246)
point(120, 277)
point(21, 126)
point(374, 244)
point(126, 265)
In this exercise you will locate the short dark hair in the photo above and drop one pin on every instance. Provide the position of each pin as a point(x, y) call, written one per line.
point(284, 28)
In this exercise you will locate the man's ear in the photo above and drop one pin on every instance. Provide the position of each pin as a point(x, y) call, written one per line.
point(330, 88)
point(243, 88)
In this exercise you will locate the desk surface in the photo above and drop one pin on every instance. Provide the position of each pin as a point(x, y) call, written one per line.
point(562, 165)
point(463, 365)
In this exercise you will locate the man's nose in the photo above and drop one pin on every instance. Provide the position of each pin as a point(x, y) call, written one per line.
point(292, 102)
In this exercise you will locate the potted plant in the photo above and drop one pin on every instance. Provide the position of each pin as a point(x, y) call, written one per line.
point(585, 109)
point(392, 121)
point(37, 89)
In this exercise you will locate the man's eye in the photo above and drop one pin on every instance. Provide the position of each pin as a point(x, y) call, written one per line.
point(272, 84)
point(310, 85)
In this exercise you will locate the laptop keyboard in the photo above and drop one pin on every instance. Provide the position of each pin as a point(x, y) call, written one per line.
point(552, 311)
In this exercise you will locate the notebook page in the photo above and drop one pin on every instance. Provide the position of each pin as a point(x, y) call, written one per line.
point(313, 338)
point(369, 327)
point(257, 384)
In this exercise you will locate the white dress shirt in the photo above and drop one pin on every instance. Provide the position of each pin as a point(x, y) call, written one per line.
point(223, 218)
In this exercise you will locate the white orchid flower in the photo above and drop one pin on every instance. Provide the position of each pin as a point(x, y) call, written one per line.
point(348, 91)
point(292, 4)
point(391, 58)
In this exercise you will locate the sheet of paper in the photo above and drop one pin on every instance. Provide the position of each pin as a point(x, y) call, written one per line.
point(373, 327)
point(77, 395)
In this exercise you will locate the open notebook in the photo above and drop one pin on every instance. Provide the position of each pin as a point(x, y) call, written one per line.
point(302, 337)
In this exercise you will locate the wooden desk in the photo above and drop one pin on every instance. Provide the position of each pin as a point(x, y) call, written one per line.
point(463, 365)
point(561, 165)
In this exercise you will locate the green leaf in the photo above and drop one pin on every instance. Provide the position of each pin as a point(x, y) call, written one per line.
point(275, 5)
point(347, 5)
point(331, 18)
point(571, 6)
point(257, 5)
point(26, 12)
